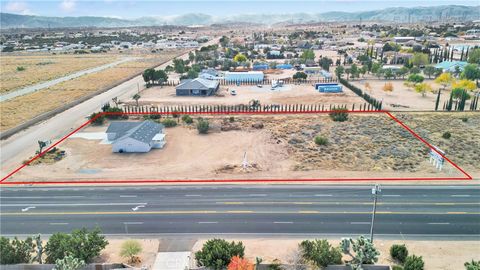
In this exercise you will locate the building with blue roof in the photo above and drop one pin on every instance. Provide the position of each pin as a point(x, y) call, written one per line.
point(451, 66)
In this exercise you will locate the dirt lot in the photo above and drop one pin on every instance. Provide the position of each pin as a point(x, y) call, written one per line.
point(364, 146)
point(24, 108)
point(406, 97)
point(288, 94)
point(40, 67)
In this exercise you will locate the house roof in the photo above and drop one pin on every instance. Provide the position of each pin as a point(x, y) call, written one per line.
point(198, 83)
point(140, 131)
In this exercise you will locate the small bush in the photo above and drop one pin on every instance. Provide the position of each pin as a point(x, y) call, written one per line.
point(97, 118)
point(169, 123)
point(231, 119)
point(399, 253)
point(339, 115)
point(397, 267)
point(130, 249)
point(464, 119)
point(446, 135)
point(20, 68)
point(414, 263)
point(203, 126)
point(320, 140)
point(473, 265)
point(187, 119)
point(116, 113)
point(275, 265)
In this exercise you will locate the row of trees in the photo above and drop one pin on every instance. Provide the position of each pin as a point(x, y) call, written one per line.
point(319, 253)
point(78, 248)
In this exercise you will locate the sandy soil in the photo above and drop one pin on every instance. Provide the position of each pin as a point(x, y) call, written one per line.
point(290, 94)
point(365, 146)
point(438, 255)
point(147, 256)
point(406, 97)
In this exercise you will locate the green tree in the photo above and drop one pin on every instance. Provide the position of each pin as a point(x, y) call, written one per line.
point(429, 71)
point(130, 249)
point(419, 59)
point(474, 56)
point(160, 76)
point(82, 244)
point(16, 251)
point(179, 65)
point(354, 71)
point(402, 72)
point(325, 63)
point(148, 75)
point(320, 253)
point(339, 70)
point(240, 58)
point(376, 67)
point(192, 74)
point(299, 75)
point(413, 263)
point(415, 78)
point(69, 263)
point(217, 253)
point(136, 97)
point(308, 55)
point(471, 72)
point(399, 253)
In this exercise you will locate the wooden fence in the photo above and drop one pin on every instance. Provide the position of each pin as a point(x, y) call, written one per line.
point(245, 108)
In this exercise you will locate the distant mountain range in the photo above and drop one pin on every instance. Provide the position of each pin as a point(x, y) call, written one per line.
point(398, 14)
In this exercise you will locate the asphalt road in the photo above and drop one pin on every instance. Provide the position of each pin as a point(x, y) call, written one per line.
point(24, 143)
point(402, 211)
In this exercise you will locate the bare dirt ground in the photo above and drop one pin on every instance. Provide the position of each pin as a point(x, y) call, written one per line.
point(363, 147)
point(406, 97)
point(26, 107)
point(289, 94)
point(438, 255)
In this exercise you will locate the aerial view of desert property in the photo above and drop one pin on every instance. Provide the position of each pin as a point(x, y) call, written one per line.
point(239, 135)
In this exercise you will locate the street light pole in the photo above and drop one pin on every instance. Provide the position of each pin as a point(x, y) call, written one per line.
point(375, 191)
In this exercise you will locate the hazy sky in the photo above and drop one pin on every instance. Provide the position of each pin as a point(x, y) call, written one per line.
point(135, 9)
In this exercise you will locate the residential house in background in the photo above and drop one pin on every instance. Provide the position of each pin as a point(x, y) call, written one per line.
point(135, 137)
point(197, 87)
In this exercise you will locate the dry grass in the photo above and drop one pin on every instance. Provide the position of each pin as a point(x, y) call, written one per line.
point(24, 108)
point(44, 67)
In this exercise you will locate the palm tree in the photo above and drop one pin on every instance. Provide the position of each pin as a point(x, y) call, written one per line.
point(136, 97)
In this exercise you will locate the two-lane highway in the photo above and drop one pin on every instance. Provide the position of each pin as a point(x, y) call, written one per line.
point(234, 209)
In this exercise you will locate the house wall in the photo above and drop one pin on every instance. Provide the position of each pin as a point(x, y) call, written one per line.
point(129, 145)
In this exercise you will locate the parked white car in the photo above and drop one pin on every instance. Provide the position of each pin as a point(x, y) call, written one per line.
point(233, 92)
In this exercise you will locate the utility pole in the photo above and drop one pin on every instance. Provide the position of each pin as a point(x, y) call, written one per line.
point(375, 191)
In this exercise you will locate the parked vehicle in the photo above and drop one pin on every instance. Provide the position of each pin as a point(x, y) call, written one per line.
point(233, 92)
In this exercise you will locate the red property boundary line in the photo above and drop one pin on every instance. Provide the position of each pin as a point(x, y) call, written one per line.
point(467, 176)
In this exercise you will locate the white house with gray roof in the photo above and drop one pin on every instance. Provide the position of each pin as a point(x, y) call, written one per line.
point(135, 137)
point(197, 87)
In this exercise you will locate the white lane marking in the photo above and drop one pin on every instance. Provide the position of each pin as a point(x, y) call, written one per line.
point(193, 195)
point(44, 197)
point(360, 223)
point(257, 195)
point(459, 195)
point(391, 195)
point(128, 196)
point(439, 223)
point(58, 223)
point(323, 195)
point(70, 204)
point(207, 222)
point(133, 223)
point(283, 222)
point(28, 208)
point(138, 207)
